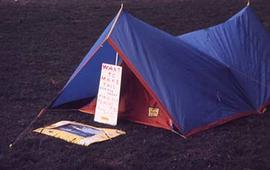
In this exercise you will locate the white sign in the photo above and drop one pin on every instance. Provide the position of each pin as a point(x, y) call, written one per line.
point(108, 94)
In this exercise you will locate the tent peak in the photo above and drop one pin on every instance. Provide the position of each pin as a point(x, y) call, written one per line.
point(248, 2)
point(116, 19)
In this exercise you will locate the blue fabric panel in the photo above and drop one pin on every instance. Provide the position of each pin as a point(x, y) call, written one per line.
point(93, 49)
point(195, 88)
point(243, 45)
point(85, 83)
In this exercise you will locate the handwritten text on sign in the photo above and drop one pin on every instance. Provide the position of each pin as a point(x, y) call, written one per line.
point(108, 94)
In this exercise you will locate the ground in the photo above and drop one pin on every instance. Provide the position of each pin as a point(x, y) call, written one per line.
point(42, 42)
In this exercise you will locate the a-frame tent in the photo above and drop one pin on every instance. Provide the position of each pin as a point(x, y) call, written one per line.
point(193, 89)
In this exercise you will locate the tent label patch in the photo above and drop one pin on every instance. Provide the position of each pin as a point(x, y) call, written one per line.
point(108, 94)
point(153, 112)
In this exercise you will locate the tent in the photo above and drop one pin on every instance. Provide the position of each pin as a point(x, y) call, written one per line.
point(196, 81)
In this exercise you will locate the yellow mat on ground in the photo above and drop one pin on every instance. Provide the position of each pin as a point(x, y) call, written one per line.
point(79, 133)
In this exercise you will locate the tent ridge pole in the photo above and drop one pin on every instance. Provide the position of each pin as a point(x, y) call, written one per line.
point(114, 23)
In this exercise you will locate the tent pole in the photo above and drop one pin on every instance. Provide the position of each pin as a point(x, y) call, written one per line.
point(116, 19)
point(116, 58)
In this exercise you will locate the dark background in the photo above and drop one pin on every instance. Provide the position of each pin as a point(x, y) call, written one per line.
point(42, 42)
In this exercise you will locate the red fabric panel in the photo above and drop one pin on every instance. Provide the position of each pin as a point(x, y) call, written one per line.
point(135, 102)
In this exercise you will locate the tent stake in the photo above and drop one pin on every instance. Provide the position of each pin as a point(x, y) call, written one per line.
point(27, 128)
